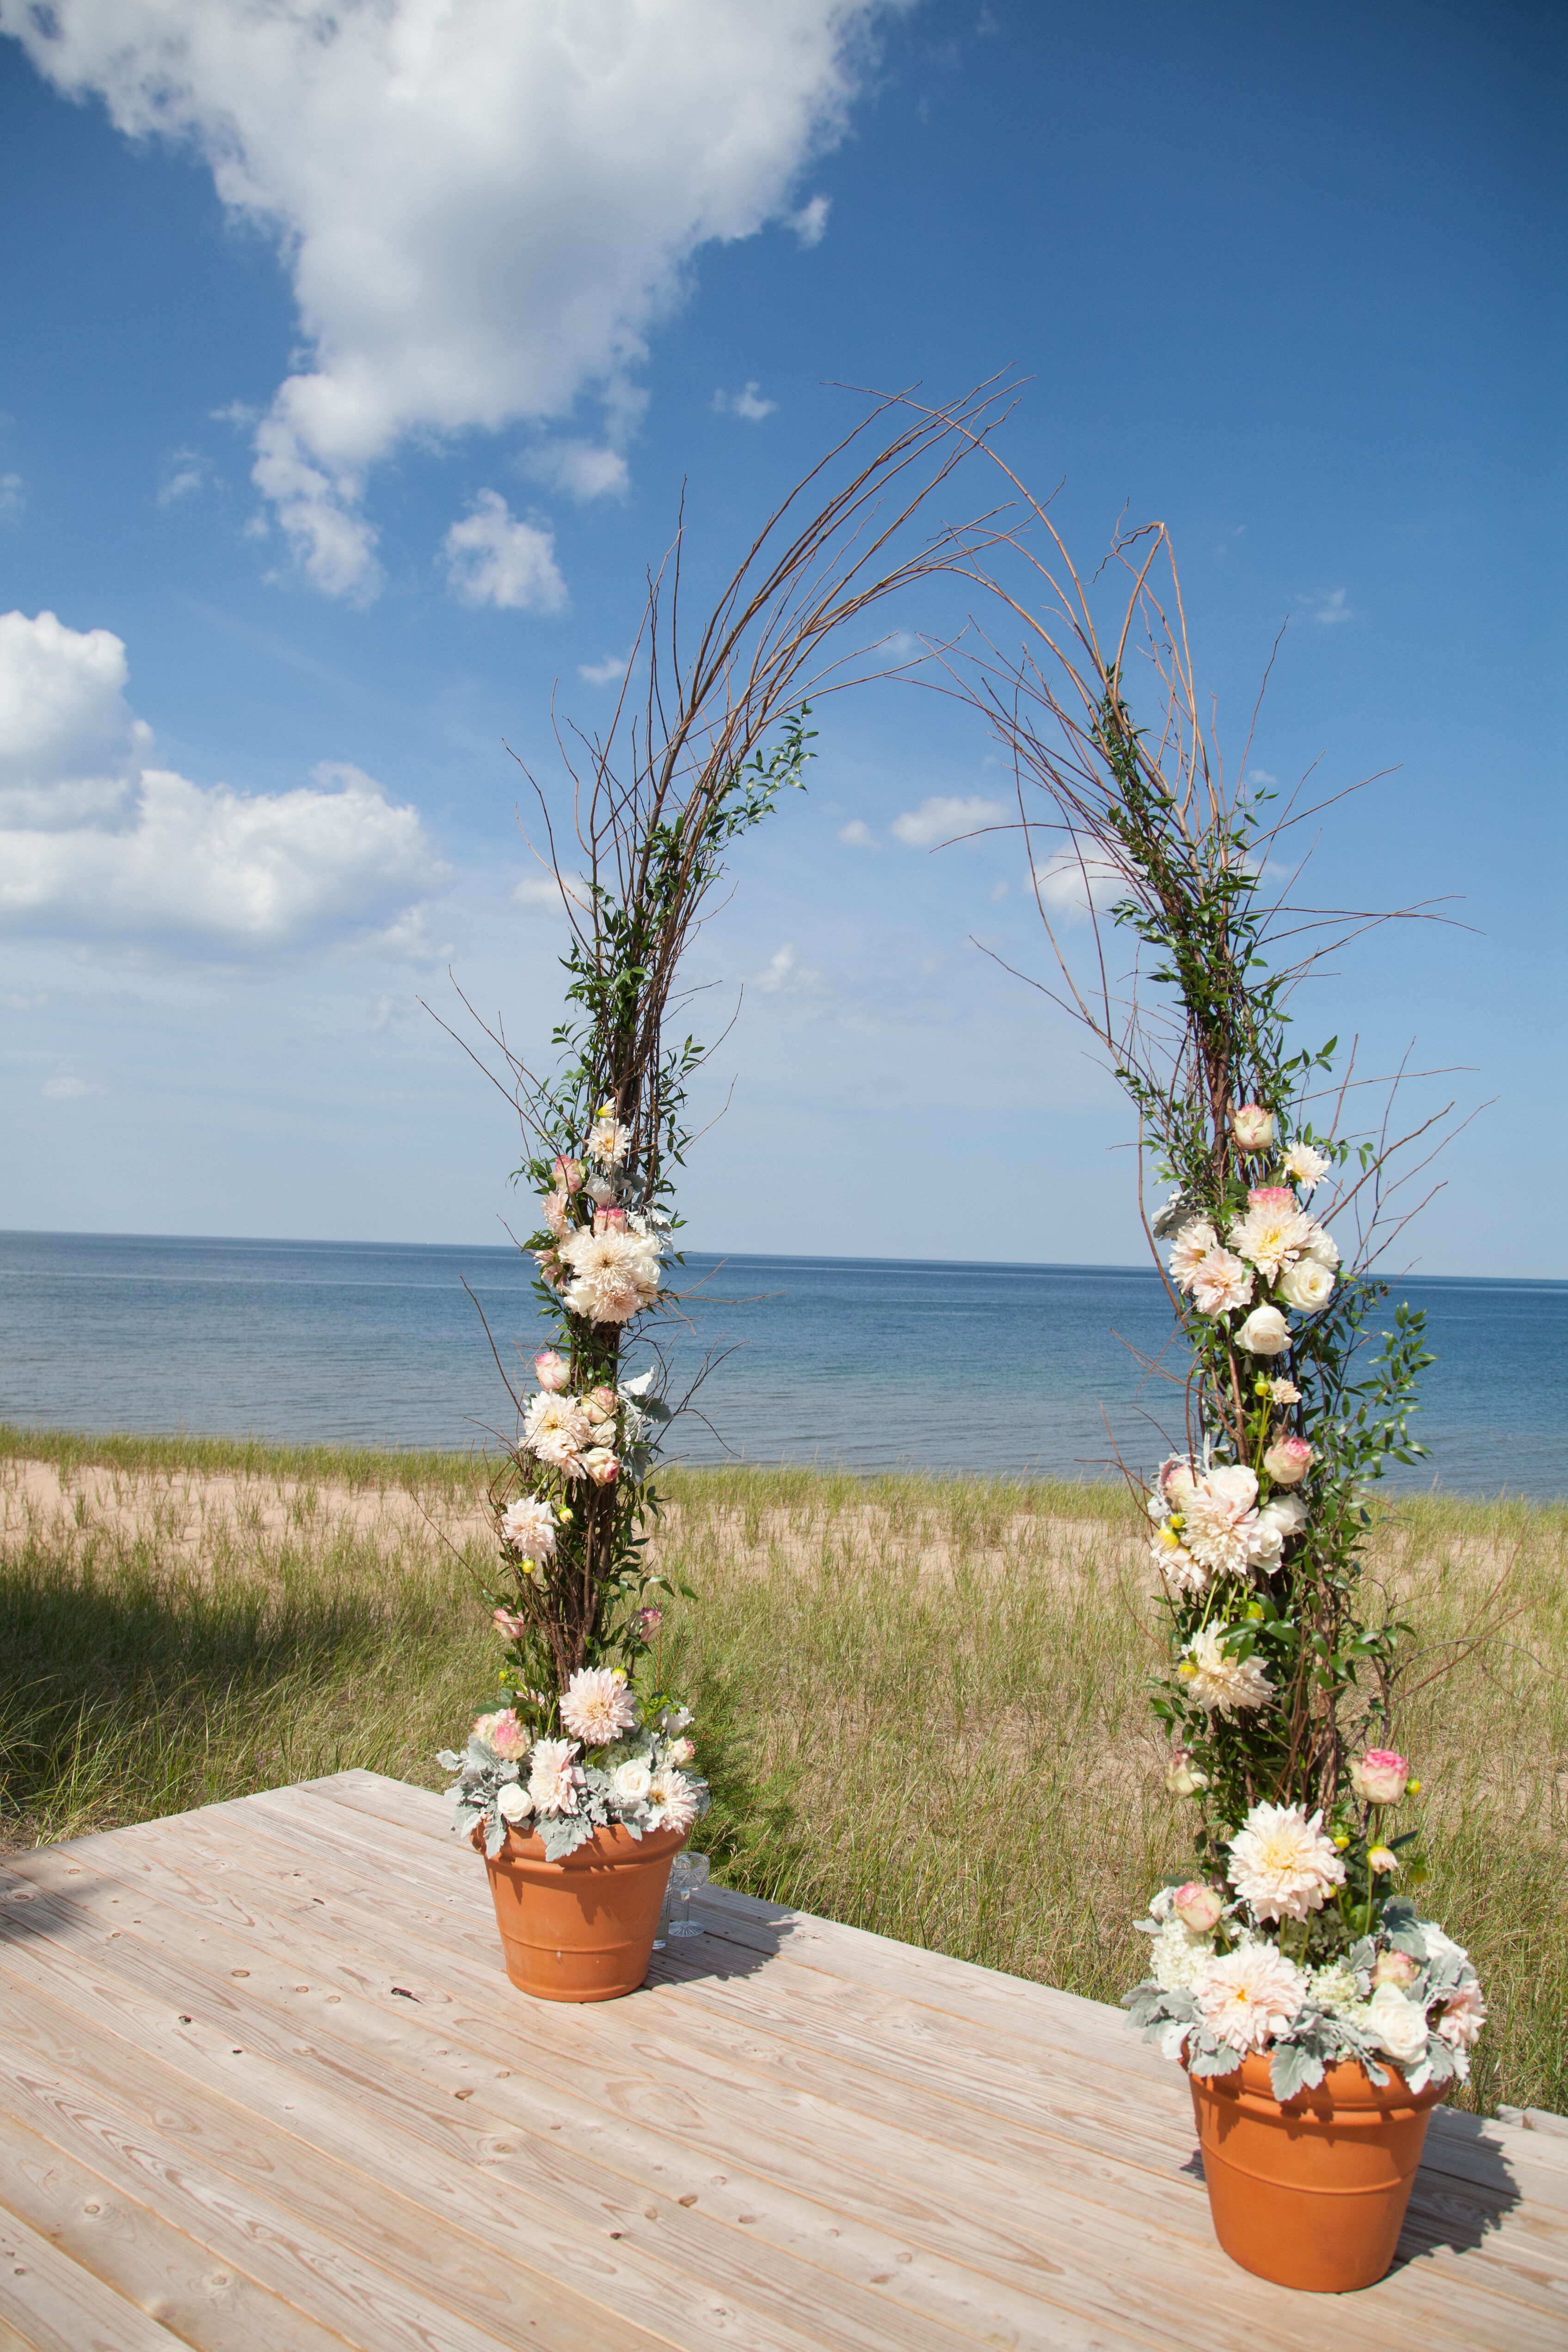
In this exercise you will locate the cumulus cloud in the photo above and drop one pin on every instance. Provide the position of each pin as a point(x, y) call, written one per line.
point(1071, 886)
point(96, 844)
point(811, 223)
point(607, 672)
point(494, 559)
point(747, 403)
point(184, 472)
point(485, 208)
point(1328, 606)
point(583, 469)
point(787, 975)
point(941, 819)
point(858, 833)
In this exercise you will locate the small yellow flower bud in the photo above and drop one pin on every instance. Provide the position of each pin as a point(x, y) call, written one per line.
point(1178, 1519)
point(1255, 1609)
point(1412, 1788)
point(1187, 1669)
point(1341, 1840)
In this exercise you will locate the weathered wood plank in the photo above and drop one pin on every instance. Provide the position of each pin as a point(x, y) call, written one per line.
point(49, 2304)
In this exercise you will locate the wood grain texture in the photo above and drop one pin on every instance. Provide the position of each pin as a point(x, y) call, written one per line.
point(264, 2087)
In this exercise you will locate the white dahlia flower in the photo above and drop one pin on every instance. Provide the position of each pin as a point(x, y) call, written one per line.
point(615, 1274)
point(530, 1524)
point(1282, 1865)
point(1463, 2016)
point(673, 1800)
point(1222, 1685)
point(1247, 1996)
point(610, 1142)
point(598, 1705)
point(1272, 1235)
point(1193, 1245)
point(554, 1778)
point(1176, 1563)
point(1221, 1527)
point(1306, 1166)
point(1221, 1284)
point(555, 1430)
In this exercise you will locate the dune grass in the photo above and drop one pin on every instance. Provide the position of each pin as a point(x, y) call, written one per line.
point(923, 1700)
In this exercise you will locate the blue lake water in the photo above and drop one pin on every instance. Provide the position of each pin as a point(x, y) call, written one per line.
point(872, 1362)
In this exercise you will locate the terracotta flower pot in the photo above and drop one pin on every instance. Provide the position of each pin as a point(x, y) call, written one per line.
point(1310, 2193)
point(581, 1929)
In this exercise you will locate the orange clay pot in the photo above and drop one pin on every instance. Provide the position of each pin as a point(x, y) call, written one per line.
point(1310, 2193)
point(581, 1929)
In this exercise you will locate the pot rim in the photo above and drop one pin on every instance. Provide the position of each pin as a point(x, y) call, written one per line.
point(610, 1841)
point(1347, 2087)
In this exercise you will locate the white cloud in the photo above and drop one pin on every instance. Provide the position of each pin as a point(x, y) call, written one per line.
point(545, 890)
point(1068, 885)
point(946, 820)
point(584, 469)
point(602, 673)
point(811, 223)
point(1328, 608)
point(747, 403)
point(185, 471)
point(63, 1089)
point(493, 559)
point(858, 833)
point(786, 975)
point(95, 846)
point(12, 499)
point(485, 208)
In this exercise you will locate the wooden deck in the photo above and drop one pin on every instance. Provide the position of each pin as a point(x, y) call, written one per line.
point(264, 2088)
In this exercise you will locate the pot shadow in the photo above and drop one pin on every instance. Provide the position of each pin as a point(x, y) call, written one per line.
point(1463, 2191)
point(740, 1935)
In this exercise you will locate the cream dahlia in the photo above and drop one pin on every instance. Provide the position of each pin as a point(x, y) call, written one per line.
point(1282, 1864)
point(610, 1142)
point(1192, 1246)
point(1247, 1996)
point(1272, 1235)
point(1223, 1685)
point(1221, 1284)
point(615, 1274)
point(554, 1778)
point(530, 1524)
point(1462, 2018)
point(672, 1798)
point(1306, 1166)
point(1220, 1523)
point(1176, 1563)
point(555, 1430)
point(598, 1706)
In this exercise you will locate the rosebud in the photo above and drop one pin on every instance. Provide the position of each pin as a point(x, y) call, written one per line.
point(1271, 1196)
point(1395, 1969)
point(568, 1174)
point(601, 1466)
point(1264, 1333)
point(601, 1405)
point(649, 1621)
point(1182, 1778)
point(1288, 1460)
point(1253, 1126)
point(679, 1751)
point(551, 1371)
point(507, 1621)
point(1197, 1906)
point(1380, 1776)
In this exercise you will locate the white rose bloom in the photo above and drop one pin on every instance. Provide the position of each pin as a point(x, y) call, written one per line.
point(1222, 1685)
point(1282, 1865)
point(1264, 1333)
point(1248, 1996)
point(1304, 1166)
point(1285, 1514)
point(1398, 2025)
point(1306, 1286)
point(513, 1803)
point(631, 1781)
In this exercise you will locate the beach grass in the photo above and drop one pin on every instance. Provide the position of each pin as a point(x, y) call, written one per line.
point(923, 1699)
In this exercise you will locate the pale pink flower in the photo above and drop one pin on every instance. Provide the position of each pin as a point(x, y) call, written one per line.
point(1220, 1684)
point(1272, 1235)
point(1264, 1333)
point(1247, 1996)
point(610, 1221)
point(507, 1621)
point(555, 1209)
point(1380, 1776)
point(1220, 1524)
point(1462, 2018)
point(505, 1734)
point(615, 1274)
point(598, 1706)
point(1285, 1392)
point(1270, 1196)
point(1307, 1166)
point(550, 1268)
point(649, 1620)
point(1382, 1859)
point(1221, 1284)
point(673, 1800)
point(1197, 1906)
point(1176, 1563)
point(568, 1174)
point(554, 1780)
point(530, 1523)
point(1182, 1778)
point(1281, 1863)
point(1288, 1460)
point(1177, 1479)
point(556, 1430)
point(1395, 1969)
point(601, 1405)
point(601, 1466)
point(1253, 1126)
point(679, 1751)
point(1191, 1246)
point(551, 1371)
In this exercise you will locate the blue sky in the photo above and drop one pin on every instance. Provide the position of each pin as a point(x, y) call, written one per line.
point(350, 385)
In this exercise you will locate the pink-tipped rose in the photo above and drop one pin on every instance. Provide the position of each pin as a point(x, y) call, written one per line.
point(601, 1405)
point(568, 1174)
point(551, 1371)
point(1395, 1969)
point(507, 1621)
point(1288, 1460)
point(610, 1221)
point(505, 1734)
point(601, 1466)
point(679, 1751)
point(1197, 1906)
point(649, 1620)
point(1253, 1126)
point(1182, 1778)
point(1380, 1776)
point(1271, 1196)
